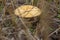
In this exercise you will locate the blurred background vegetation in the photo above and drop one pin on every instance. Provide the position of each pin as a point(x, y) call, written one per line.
point(8, 24)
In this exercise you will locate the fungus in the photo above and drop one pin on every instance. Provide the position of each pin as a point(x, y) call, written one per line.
point(27, 11)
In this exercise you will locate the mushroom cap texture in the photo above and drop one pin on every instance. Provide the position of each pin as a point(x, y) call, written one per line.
point(27, 11)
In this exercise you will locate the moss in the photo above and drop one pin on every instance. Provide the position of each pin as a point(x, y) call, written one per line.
point(32, 30)
point(58, 13)
point(35, 2)
point(1, 7)
point(58, 16)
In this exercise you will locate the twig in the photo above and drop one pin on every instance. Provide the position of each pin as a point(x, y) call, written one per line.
point(54, 32)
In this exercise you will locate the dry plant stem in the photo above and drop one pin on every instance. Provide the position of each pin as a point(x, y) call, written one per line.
point(27, 1)
point(32, 2)
point(27, 31)
point(54, 32)
point(44, 22)
point(4, 10)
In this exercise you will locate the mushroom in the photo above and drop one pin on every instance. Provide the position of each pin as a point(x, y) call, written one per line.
point(27, 11)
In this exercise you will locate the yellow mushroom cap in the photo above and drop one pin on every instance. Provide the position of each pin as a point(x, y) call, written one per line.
point(27, 11)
